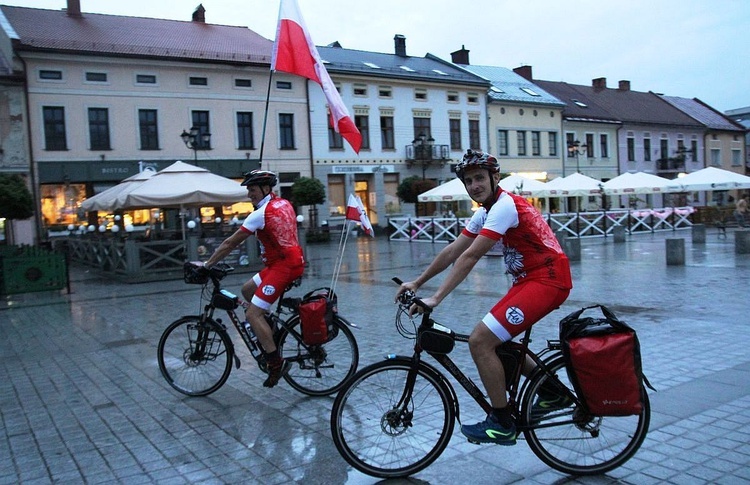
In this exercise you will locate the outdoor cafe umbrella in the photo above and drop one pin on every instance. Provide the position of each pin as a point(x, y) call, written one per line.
point(518, 184)
point(182, 185)
point(447, 192)
point(636, 183)
point(454, 189)
point(574, 185)
point(107, 200)
point(709, 178)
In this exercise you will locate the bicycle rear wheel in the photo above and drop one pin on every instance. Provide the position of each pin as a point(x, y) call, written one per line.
point(195, 357)
point(380, 438)
point(571, 441)
point(321, 369)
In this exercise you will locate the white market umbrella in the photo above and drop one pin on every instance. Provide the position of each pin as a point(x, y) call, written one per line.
point(183, 185)
point(447, 192)
point(574, 185)
point(107, 200)
point(636, 183)
point(524, 186)
point(710, 178)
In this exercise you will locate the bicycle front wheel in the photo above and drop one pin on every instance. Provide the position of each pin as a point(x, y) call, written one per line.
point(321, 369)
point(383, 437)
point(195, 357)
point(572, 441)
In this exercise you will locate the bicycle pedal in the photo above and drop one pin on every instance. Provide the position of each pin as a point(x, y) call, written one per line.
point(473, 442)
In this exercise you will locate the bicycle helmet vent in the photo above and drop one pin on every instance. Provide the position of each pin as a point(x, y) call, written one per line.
point(260, 177)
point(477, 158)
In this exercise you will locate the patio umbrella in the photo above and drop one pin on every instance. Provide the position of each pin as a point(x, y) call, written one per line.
point(574, 185)
point(182, 185)
point(524, 186)
point(447, 192)
point(636, 183)
point(709, 178)
point(107, 200)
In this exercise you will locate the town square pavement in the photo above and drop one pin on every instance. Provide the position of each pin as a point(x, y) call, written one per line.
point(82, 399)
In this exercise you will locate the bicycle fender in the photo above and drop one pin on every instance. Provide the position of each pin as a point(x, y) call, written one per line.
point(347, 322)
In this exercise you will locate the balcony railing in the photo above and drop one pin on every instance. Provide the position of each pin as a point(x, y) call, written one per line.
point(428, 153)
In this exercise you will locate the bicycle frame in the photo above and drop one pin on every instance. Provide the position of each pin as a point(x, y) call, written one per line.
point(514, 387)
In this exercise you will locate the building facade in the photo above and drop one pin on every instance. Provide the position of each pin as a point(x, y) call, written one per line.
point(417, 116)
point(524, 122)
point(107, 99)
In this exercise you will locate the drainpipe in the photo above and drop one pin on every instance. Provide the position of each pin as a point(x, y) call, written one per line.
point(32, 163)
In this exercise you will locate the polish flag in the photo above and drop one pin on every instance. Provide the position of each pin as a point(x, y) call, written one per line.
point(355, 211)
point(294, 52)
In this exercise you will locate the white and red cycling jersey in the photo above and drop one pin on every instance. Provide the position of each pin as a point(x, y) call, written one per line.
point(530, 248)
point(274, 223)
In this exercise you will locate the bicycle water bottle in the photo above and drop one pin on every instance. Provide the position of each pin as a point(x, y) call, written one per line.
point(253, 338)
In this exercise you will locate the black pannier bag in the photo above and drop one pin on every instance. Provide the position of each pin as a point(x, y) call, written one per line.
point(603, 360)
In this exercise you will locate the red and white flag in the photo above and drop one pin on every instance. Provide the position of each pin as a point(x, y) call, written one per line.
point(294, 52)
point(355, 211)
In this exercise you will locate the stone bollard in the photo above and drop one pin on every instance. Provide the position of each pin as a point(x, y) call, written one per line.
point(619, 234)
point(675, 252)
point(742, 241)
point(699, 234)
point(572, 248)
point(561, 237)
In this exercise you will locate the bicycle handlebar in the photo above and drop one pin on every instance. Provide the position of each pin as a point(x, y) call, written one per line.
point(409, 298)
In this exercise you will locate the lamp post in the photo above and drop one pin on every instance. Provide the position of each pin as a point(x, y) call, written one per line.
point(195, 140)
point(575, 148)
point(423, 151)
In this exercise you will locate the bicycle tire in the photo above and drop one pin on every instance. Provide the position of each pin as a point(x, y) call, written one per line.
point(376, 441)
point(579, 444)
point(318, 370)
point(188, 370)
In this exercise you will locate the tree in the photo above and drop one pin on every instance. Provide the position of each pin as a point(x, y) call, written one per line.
point(16, 202)
point(309, 191)
point(410, 188)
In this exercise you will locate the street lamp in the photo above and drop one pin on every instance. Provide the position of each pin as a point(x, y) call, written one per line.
point(575, 149)
point(195, 140)
point(423, 151)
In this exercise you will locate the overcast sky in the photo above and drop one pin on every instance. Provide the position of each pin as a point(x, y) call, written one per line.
point(687, 48)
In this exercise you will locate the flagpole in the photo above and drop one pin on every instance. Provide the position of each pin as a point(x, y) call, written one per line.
point(337, 266)
point(265, 118)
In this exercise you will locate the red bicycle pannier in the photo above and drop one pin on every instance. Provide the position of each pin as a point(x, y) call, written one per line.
point(316, 311)
point(603, 360)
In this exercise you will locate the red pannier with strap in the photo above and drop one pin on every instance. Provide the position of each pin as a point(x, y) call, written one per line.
point(317, 314)
point(603, 360)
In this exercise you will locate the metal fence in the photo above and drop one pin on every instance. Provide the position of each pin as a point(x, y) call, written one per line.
point(134, 260)
point(573, 224)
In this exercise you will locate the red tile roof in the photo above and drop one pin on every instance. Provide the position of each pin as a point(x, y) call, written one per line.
point(54, 30)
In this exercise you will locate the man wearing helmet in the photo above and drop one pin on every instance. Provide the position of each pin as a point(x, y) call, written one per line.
point(536, 262)
point(274, 223)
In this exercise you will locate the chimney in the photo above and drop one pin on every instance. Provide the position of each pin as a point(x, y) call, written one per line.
point(599, 83)
point(400, 43)
point(460, 56)
point(74, 8)
point(525, 72)
point(624, 85)
point(200, 14)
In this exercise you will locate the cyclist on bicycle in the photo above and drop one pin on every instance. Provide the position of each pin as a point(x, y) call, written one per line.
point(536, 262)
point(274, 223)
